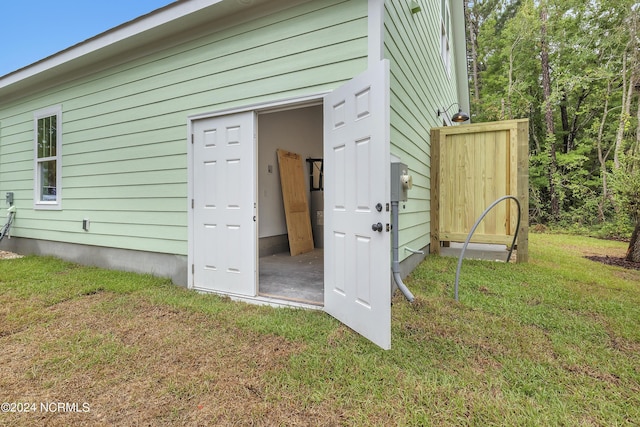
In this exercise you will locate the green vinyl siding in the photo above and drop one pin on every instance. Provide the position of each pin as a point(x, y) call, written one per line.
point(124, 153)
point(420, 86)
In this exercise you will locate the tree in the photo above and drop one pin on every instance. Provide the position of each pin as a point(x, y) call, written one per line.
point(627, 158)
point(627, 185)
point(571, 67)
point(550, 136)
point(633, 253)
point(630, 77)
point(631, 188)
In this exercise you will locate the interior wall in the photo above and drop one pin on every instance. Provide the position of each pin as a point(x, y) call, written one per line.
point(298, 130)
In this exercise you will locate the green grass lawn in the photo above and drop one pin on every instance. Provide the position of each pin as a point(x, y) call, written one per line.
point(552, 342)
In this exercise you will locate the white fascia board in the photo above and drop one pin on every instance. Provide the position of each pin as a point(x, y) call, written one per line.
point(110, 37)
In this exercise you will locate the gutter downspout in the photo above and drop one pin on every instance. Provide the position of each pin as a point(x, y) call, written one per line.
point(395, 267)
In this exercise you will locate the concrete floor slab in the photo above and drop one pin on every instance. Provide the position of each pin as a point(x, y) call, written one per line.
point(481, 251)
point(299, 278)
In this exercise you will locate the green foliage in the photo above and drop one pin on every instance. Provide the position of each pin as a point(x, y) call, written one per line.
point(591, 53)
point(626, 184)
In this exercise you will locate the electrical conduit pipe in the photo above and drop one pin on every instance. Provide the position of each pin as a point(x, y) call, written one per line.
point(5, 228)
point(395, 267)
point(473, 229)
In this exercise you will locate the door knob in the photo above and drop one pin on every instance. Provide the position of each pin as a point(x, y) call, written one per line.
point(377, 227)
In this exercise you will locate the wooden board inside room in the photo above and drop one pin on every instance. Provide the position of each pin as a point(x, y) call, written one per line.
point(296, 205)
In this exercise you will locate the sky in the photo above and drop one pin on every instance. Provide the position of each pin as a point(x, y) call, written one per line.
point(31, 30)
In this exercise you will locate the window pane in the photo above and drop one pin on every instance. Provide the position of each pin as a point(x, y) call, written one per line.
point(40, 138)
point(47, 136)
point(53, 135)
point(48, 181)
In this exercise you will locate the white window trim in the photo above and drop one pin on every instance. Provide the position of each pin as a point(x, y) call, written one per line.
point(55, 110)
point(445, 36)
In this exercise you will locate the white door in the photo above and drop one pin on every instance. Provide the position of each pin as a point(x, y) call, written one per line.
point(357, 168)
point(224, 227)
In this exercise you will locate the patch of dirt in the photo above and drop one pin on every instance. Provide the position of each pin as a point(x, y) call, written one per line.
point(593, 373)
point(9, 255)
point(135, 363)
point(617, 261)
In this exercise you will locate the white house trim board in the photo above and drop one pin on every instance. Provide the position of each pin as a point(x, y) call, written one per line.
point(376, 31)
point(460, 54)
point(262, 107)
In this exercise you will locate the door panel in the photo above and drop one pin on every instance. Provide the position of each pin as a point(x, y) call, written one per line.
point(224, 229)
point(357, 163)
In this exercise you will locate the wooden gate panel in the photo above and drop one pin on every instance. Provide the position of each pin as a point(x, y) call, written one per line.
point(471, 167)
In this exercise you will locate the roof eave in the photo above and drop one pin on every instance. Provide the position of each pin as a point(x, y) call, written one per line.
point(143, 30)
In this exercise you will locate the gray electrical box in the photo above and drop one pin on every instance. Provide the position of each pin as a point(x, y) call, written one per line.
point(400, 182)
point(9, 198)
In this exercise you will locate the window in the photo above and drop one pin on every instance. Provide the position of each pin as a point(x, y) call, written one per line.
point(445, 32)
point(47, 157)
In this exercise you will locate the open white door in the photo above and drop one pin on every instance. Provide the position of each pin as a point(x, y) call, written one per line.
point(357, 288)
point(224, 227)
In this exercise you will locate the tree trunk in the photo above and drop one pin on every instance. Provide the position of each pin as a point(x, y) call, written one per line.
point(473, 46)
point(630, 54)
point(548, 114)
point(514, 47)
point(635, 150)
point(564, 119)
point(633, 253)
point(572, 128)
point(627, 93)
point(602, 156)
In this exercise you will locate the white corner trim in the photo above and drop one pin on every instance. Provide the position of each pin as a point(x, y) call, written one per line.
point(375, 31)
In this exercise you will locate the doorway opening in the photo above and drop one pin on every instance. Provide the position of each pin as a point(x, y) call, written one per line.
point(297, 278)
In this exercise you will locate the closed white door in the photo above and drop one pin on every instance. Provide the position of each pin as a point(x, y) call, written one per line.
point(224, 227)
point(357, 235)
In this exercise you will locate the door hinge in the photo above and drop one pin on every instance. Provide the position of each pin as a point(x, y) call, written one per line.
point(192, 138)
point(193, 204)
point(193, 269)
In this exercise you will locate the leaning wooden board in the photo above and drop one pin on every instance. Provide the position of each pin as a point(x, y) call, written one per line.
point(296, 206)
